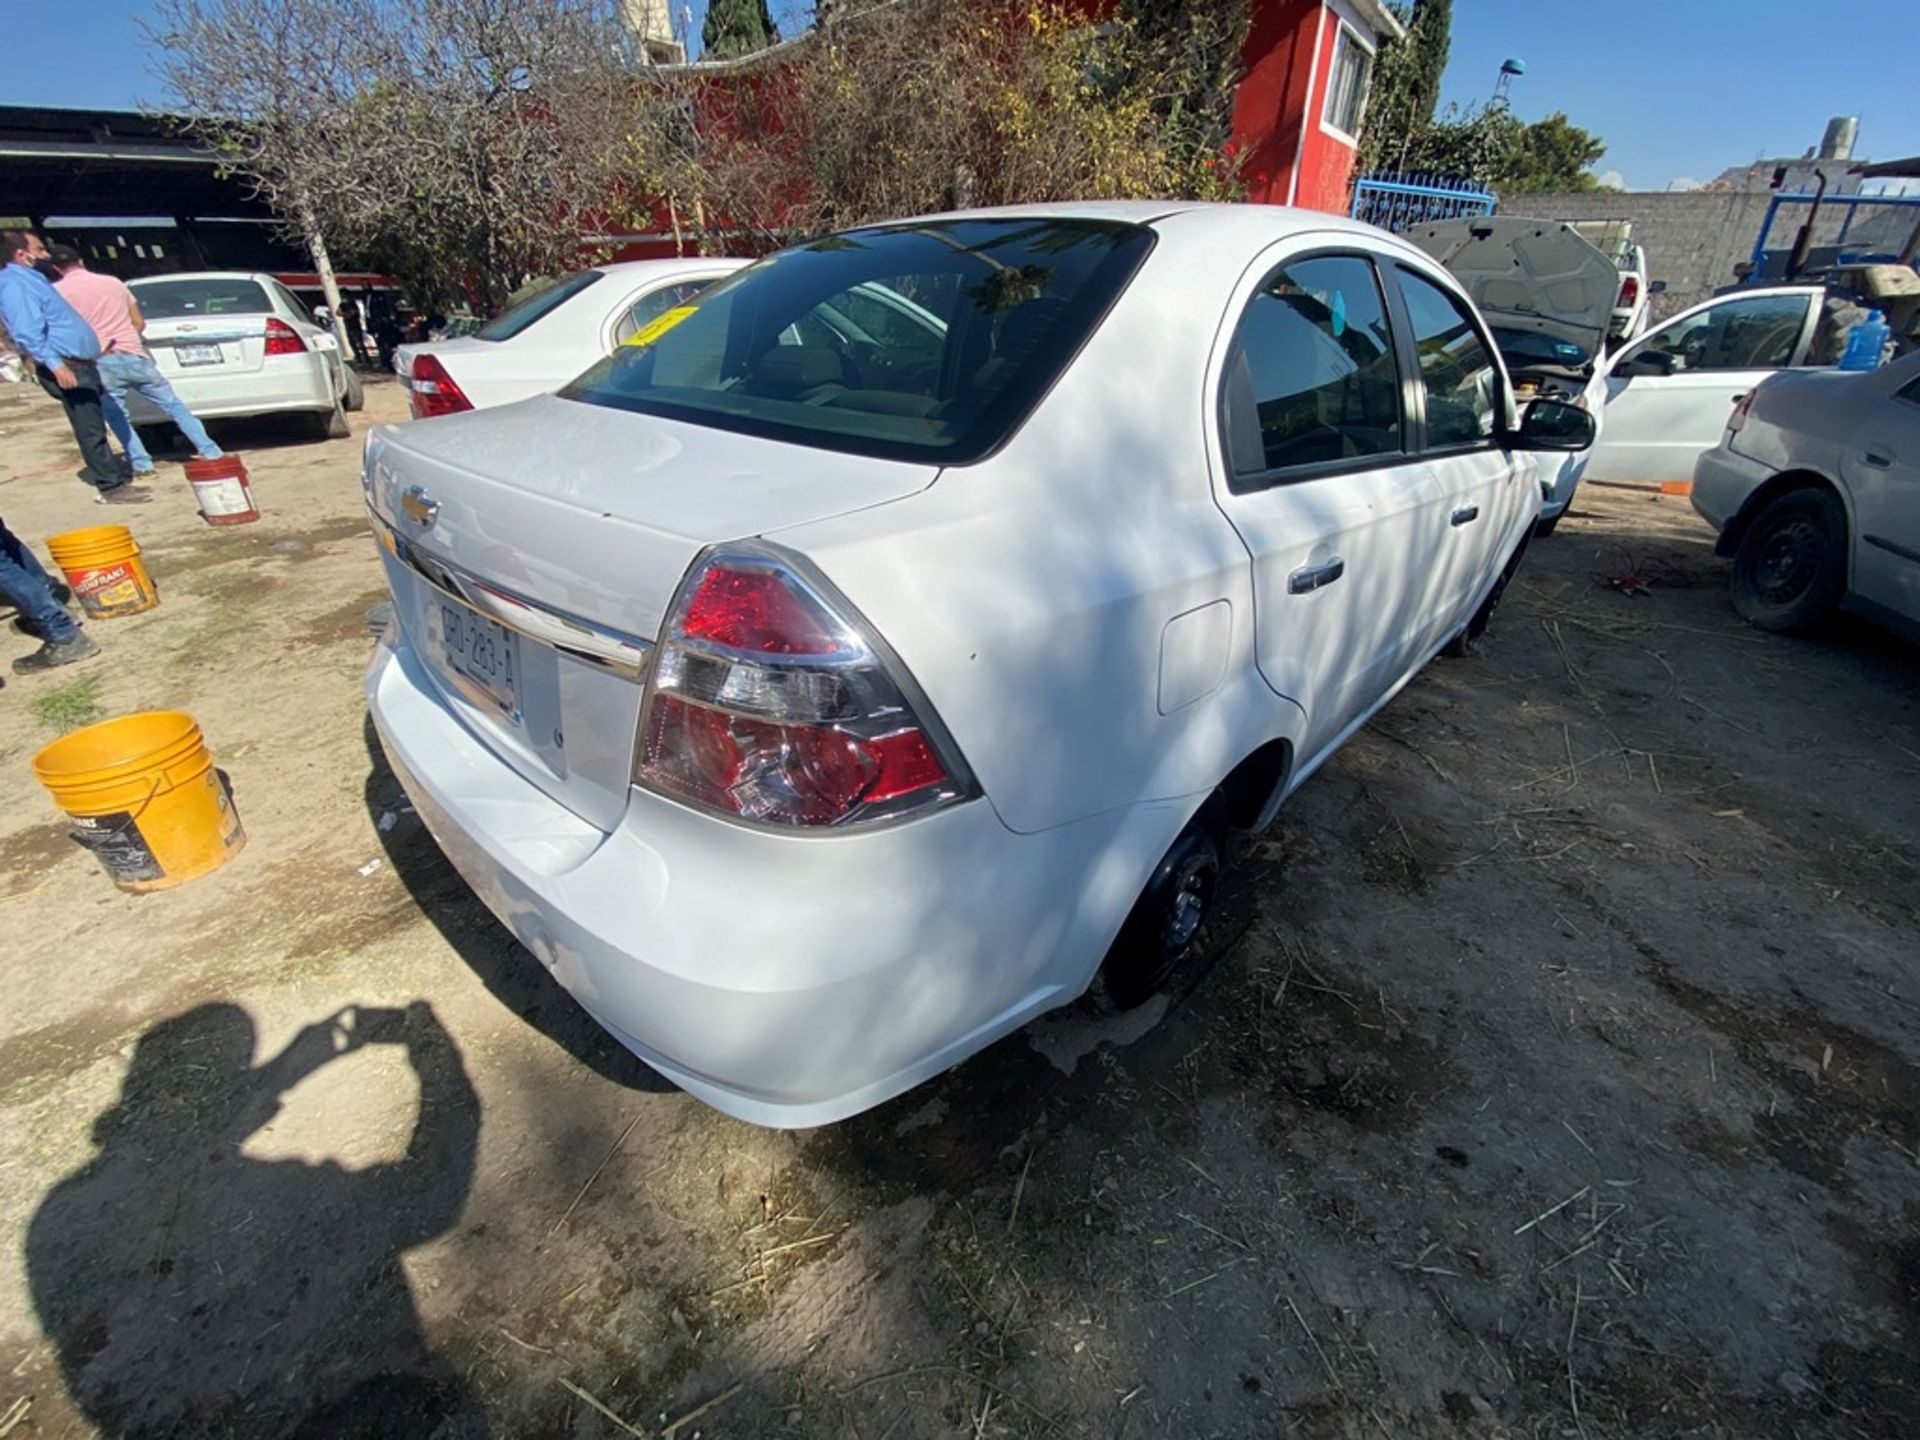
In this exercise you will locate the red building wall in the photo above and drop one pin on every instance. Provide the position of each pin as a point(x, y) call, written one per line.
point(1326, 161)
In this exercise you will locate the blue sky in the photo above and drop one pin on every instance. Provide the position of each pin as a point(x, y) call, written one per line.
point(1680, 89)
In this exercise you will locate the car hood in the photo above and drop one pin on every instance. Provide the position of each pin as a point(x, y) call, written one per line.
point(1537, 275)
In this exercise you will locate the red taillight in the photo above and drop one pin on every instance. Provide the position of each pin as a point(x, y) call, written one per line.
point(283, 339)
point(1629, 292)
point(1739, 415)
point(769, 701)
point(431, 391)
point(754, 610)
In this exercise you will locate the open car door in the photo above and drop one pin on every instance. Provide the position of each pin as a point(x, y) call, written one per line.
point(1669, 393)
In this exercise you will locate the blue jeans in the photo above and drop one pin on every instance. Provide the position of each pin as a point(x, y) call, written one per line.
point(26, 585)
point(124, 375)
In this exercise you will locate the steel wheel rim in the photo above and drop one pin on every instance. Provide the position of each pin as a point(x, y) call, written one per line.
point(1788, 560)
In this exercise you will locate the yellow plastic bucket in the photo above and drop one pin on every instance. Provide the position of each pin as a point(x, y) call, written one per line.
point(144, 798)
point(103, 565)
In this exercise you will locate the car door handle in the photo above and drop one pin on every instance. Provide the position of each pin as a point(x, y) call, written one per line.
point(1465, 515)
point(1312, 577)
point(1878, 459)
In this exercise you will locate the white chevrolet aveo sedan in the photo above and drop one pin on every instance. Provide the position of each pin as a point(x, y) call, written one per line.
point(871, 658)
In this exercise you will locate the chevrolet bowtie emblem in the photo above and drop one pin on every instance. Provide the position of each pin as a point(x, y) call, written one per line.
point(420, 507)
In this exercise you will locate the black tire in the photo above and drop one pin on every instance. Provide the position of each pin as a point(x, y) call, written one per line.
point(1466, 642)
point(157, 438)
point(1168, 930)
point(1545, 527)
point(353, 395)
point(1790, 567)
point(331, 424)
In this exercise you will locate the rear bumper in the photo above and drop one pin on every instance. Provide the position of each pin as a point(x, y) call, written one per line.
point(1722, 481)
point(788, 981)
point(282, 383)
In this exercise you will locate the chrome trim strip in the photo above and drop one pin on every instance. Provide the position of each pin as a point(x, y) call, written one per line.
point(624, 655)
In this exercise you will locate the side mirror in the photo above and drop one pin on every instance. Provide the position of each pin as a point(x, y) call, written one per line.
point(1556, 425)
point(1657, 287)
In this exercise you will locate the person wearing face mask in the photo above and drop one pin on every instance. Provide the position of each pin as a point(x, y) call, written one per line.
point(64, 351)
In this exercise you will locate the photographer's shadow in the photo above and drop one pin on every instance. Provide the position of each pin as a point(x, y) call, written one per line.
point(515, 977)
point(188, 1288)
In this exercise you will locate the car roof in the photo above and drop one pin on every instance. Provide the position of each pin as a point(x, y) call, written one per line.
point(640, 269)
point(1275, 222)
point(206, 275)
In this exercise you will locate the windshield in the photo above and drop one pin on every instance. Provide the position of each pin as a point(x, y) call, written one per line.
point(510, 322)
point(1530, 347)
point(928, 341)
point(202, 295)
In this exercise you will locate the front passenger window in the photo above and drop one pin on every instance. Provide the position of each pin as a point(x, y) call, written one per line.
point(1753, 333)
point(1456, 367)
point(1311, 377)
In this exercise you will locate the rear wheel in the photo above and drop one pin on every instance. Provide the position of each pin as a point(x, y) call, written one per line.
point(1790, 568)
point(354, 394)
point(1467, 641)
point(1168, 930)
point(1545, 527)
point(330, 424)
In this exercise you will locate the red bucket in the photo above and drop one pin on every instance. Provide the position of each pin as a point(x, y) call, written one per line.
point(221, 490)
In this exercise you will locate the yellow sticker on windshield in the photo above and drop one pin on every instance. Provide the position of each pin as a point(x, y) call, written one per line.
point(659, 325)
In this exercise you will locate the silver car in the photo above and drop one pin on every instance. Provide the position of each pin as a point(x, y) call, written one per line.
point(1815, 490)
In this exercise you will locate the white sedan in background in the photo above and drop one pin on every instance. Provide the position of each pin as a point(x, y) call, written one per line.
point(551, 336)
point(235, 343)
point(1815, 490)
point(820, 707)
point(1658, 401)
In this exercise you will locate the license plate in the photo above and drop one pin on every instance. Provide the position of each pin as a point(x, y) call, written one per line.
point(485, 655)
point(197, 354)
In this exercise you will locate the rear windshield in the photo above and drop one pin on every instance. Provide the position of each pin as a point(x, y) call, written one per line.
point(929, 342)
point(191, 298)
point(510, 322)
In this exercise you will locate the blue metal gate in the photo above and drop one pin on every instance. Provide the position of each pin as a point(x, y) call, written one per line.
point(1396, 201)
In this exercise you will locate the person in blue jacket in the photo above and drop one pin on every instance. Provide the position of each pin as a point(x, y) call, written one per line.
point(50, 333)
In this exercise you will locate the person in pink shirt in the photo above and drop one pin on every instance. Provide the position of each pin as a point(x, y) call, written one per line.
point(126, 368)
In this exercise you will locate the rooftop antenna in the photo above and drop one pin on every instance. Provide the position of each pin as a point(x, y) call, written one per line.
point(1509, 68)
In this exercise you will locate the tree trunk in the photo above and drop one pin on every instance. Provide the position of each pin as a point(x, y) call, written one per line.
point(323, 264)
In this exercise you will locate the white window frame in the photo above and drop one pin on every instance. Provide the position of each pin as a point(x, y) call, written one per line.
point(1349, 35)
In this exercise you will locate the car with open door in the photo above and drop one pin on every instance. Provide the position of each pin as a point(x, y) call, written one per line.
point(819, 712)
point(234, 343)
point(1548, 294)
point(1815, 490)
point(1667, 396)
point(551, 335)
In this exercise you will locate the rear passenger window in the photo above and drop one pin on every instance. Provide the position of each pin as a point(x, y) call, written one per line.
point(1456, 367)
point(651, 306)
point(1311, 378)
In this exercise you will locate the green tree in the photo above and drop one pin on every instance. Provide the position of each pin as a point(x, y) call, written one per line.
point(1552, 154)
point(1406, 85)
point(736, 27)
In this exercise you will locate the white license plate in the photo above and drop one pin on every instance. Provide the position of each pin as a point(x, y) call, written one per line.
point(484, 655)
point(197, 354)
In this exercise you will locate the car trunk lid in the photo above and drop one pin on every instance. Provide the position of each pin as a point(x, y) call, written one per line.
point(1539, 276)
point(207, 345)
point(534, 548)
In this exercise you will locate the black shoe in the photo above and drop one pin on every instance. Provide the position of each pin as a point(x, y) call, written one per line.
point(125, 495)
point(51, 656)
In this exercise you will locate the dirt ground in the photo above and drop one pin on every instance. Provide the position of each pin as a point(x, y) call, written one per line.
point(1561, 1076)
